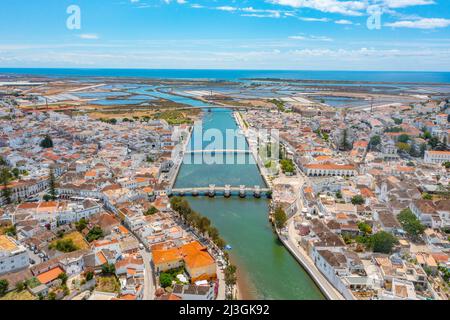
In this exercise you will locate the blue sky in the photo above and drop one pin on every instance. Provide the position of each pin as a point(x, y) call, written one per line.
point(246, 34)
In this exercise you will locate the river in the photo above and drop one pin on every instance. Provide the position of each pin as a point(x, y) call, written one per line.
point(266, 270)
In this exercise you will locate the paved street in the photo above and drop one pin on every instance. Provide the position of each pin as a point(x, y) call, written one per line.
point(149, 285)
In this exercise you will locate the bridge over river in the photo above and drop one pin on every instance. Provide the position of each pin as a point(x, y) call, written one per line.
point(227, 191)
point(206, 151)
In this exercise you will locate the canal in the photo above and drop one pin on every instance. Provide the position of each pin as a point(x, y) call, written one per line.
point(266, 270)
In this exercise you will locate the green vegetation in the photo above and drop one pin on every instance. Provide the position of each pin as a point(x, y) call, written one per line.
point(345, 145)
point(279, 104)
point(230, 275)
point(339, 195)
point(427, 196)
point(108, 269)
point(410, 223)
point(445, 273)
point(168, 277)
point(365, 228)
point(64, 245)
point(280, 217)
point(5, 177)
point(402, 146)
point(10, 231)
point(446, 164)
point(3, 287)
point(165, 280)
point(46, 143)
point(382, 242)
point(287, 166)
point(358, 200)
point(173, 117)
point(89, 276)
point(81, 224)
point(94, 234)
point(108, 284)
point(151, 211)
point(394, 129)
point(397, 121)
point(374, 142)
point(195, 220)
point(110, 121)
point(32, 283)
point(404, 138)
point(52, 184)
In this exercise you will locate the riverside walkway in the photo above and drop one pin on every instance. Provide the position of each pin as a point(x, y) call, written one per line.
point(308, 264)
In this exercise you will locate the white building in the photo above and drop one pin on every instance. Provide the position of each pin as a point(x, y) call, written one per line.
point(12, 255)
point(328, 169)
point(436, 156)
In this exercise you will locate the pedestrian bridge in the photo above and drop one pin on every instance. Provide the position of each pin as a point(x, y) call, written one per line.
point(226, 191)
point(206, 151)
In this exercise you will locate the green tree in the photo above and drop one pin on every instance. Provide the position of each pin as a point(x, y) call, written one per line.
point(94, 234)
point(287, 166)
point(108, 269)
point(433, 142)
point(404, 138)
point(52, 184)
point(165, 280)
point(446, 164)
point(358, 200)
point(64, 245)
point(382, 242)
point(151, 211)
point(345, 145)
point(89, 276)
point(365, 228)
point(63, 277)
point(427, 196)
point(280, 217)
point(410, 223)
point(230, 275)
point(52, 296)
point(5, 177)
point(375, 141)
point(404, 147)
point(4, 284)
point(16, 173)
point(20, 286)
point(46, 142)
point(81, 224)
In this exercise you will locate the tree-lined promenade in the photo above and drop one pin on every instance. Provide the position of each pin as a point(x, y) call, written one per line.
point(204, 227)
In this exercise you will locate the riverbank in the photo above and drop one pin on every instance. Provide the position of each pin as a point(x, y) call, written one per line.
point(253, 148)
point(305, 261)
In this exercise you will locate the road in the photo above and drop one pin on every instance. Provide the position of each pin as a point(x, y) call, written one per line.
point(149, 284)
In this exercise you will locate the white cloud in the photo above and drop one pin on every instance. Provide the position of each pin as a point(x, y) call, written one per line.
point(406, 3)
point(351, 8)
point(314, 19)
point(343, 21)
point(310, 38)
point(227, 8)
point(88, 36)
point(423, 23)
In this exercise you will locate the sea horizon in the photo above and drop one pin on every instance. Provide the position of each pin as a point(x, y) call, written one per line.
point(239, 74)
